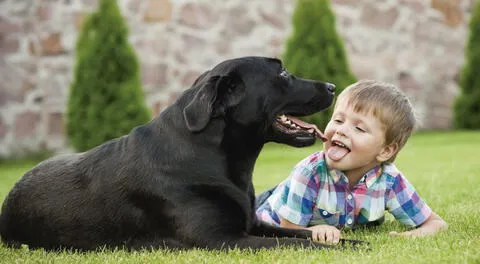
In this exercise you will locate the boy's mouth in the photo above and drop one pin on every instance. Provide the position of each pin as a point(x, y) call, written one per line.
point(337, 150)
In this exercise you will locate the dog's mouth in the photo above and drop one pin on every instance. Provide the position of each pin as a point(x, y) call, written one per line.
point(296, 132)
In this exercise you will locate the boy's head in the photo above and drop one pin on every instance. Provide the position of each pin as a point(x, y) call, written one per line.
point(388, 104)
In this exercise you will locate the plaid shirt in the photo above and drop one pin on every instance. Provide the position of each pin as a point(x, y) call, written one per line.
point(314, 195)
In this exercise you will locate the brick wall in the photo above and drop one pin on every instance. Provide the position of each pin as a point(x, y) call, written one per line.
point(417, 45)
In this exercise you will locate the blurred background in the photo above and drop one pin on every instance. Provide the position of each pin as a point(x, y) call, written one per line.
point(417, 45)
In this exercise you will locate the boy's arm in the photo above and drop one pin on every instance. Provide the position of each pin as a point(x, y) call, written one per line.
point(406, 206)
point(432, 225)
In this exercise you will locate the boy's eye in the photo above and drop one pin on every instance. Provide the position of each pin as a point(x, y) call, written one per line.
point(360, 129)
point(338, 121)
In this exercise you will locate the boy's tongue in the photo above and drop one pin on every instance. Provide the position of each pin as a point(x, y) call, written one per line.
point(335, 153)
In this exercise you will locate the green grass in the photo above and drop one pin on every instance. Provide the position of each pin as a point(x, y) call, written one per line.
point(444, 167)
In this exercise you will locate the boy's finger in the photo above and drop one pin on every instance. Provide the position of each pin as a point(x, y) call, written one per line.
point(317, 236)
point(321, 236)
point(329, 236)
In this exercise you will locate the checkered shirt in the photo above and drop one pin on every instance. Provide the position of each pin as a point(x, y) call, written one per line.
point(314, 195)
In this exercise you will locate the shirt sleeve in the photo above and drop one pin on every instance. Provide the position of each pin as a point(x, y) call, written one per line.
point(404, 203)
point(295, 197)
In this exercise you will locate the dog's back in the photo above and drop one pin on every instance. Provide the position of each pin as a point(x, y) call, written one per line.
point(62, 201)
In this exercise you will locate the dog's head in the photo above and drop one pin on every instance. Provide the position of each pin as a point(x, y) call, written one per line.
point(258, 98)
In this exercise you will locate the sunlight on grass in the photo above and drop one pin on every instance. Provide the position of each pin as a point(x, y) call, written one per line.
point(444, 167)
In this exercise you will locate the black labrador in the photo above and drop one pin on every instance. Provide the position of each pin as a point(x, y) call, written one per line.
point(184, 180)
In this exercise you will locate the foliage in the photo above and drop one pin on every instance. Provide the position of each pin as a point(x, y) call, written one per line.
point(315, 51)
point(106, 99)
point(467, 105)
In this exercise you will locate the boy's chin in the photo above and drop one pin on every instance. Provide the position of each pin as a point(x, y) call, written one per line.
point(335, 165)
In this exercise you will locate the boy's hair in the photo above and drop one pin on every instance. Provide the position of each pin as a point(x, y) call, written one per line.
point(386, 102)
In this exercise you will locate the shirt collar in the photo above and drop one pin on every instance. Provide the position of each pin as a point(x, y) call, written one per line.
point(371, 176)
point(368, 178)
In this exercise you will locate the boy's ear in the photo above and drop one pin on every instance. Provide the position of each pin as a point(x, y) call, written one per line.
point(387, 152)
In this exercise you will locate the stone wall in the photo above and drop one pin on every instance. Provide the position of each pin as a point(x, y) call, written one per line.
point(417, 44)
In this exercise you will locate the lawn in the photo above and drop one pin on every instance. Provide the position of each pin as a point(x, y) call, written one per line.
point(444, 167)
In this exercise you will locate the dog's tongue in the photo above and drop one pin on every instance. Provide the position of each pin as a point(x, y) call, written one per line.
point(307, 126)
point(335, 153)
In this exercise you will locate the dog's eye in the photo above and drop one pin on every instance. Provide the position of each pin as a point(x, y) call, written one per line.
point(284, 74)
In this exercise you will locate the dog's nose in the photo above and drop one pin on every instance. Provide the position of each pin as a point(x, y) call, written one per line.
point(330, 87)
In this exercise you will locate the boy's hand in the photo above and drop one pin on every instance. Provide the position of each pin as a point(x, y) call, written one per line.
point(431, 226)
point(325, 234)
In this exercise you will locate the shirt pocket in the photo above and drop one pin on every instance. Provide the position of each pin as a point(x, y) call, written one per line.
point(375, 216)
point(324, 217)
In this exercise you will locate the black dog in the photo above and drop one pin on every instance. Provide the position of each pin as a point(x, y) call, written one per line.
point(183, 180)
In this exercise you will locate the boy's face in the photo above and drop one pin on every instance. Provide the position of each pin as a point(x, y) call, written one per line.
point(356, 141)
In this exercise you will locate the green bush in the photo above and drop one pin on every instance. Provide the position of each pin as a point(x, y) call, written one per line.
point(106, 99)
point(467, 105)
point(315, 51)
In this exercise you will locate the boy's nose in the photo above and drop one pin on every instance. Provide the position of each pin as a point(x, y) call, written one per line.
point(341, 131)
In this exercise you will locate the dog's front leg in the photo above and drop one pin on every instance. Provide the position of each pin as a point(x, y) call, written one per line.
point(263, 229)
point(254, 242)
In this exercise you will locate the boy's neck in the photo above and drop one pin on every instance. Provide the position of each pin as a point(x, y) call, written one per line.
point(355, 175)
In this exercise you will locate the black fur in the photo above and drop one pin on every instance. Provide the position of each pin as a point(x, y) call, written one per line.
point(183, 180)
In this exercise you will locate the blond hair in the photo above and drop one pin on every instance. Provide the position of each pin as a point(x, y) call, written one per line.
point(387, 103)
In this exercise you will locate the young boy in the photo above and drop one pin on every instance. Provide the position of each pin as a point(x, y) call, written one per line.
point(353, 181)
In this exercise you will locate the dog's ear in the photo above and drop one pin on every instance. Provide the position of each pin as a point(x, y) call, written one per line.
point(214, 96)
point(230, 93)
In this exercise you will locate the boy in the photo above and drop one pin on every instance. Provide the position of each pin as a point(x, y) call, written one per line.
point(353, 181)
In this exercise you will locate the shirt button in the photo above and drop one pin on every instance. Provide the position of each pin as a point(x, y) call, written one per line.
point(325, 213)
point(349, 221)
point(349, 197)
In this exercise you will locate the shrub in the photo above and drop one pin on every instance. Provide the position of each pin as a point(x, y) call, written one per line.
point(106, 99)
point(315, 51)
point(467, 105)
